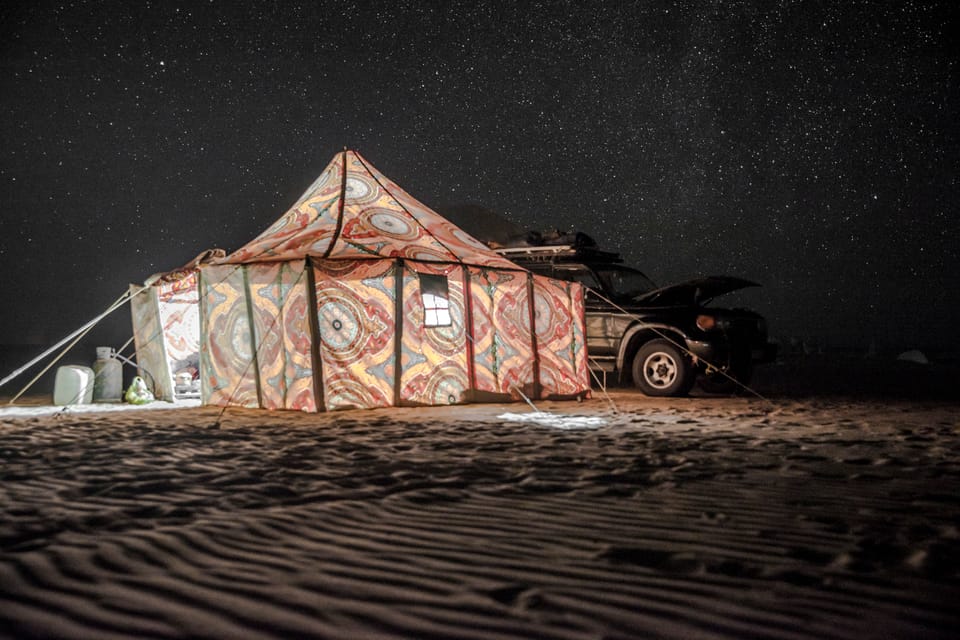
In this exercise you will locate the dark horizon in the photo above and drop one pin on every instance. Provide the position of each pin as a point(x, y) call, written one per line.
point(812, 149)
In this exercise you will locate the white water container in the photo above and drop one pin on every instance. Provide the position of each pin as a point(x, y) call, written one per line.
point(108, 383)
point(74, 385)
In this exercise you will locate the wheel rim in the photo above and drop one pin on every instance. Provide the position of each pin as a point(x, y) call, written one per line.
point(660, 370)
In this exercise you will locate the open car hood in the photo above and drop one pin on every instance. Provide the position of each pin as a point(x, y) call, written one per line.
point(695, 292)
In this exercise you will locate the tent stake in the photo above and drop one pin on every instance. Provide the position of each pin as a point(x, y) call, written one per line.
point(529, 402)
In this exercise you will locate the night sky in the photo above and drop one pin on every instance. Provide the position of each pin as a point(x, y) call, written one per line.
point(811, 147)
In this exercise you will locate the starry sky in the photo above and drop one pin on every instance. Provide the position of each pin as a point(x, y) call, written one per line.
point(809, 146)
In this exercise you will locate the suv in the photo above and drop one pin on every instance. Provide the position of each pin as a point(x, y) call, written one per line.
point(664, 339)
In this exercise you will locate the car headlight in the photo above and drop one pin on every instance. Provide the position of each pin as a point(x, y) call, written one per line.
point(706, 323)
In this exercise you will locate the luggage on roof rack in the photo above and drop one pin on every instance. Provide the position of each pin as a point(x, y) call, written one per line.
point(553, 238)
point(553, 243)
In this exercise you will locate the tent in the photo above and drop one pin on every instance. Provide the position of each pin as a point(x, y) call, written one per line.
point(360, 296)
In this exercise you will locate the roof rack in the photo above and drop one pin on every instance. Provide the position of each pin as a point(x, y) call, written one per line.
point(549, 253)
point(543, 246)
point(542, 249)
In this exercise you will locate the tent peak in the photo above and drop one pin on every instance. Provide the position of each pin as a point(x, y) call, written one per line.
point(352, 211)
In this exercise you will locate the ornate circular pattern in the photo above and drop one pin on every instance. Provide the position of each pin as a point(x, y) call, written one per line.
point(238, 328)
point(314, 190)
point(390, 223)
point(543, 314)
point(426, 254)
point(344, 391)
point(361, 189)
point(446, 386)
point(341, 324)
point(449, 340)
point(333, 269)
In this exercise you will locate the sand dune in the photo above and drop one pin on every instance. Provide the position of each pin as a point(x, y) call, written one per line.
point(700, 518)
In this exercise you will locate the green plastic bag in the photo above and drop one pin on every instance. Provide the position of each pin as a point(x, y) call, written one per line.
point(138, 392)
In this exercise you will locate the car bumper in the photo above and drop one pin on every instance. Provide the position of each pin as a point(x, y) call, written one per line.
point(705, 351)
point(720, 354)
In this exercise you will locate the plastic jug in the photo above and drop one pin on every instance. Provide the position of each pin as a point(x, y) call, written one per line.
point(73, 385)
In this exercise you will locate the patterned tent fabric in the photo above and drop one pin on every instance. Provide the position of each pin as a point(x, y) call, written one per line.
point(502, 336)
point(149, 340)
point(356, 303)
point(181, 322)
point(562, 352)
point(328, 309)
point(434, 359)
point(166, 330)
point(279, 303)
point(360, 213)
point(229, 373)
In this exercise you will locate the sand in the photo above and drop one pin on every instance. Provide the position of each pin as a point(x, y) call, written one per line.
point(818, 517)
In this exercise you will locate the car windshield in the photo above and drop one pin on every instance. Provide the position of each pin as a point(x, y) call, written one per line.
point(577, 273)
point(624, 281)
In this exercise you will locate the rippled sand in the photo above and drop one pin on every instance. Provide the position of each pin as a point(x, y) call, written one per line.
point(697, 518)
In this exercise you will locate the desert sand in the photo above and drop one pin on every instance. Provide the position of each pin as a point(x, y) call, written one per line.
point(620, 517)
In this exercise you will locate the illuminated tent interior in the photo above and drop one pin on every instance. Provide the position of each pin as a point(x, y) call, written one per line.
point(166, 329)
point(360, 296)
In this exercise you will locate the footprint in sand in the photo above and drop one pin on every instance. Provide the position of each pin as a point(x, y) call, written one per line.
point(666, 561)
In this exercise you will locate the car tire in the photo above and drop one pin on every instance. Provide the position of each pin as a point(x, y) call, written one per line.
point(661, 369)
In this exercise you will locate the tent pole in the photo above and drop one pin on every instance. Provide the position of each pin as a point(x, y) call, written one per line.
point(468, 328)
point(316, 360)
point(343, 196)
point(398, 332)
point(531, 305)
point(251, 322)
point(76, 336)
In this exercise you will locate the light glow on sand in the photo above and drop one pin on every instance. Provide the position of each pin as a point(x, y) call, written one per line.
point(555, 421)
point(29, 411)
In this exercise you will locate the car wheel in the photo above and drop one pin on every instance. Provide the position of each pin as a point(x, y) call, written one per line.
point(661, 369)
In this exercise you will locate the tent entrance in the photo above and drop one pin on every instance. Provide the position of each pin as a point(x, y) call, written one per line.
point(166, 329)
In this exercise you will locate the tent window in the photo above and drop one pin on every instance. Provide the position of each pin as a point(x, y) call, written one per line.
point(436, 300)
